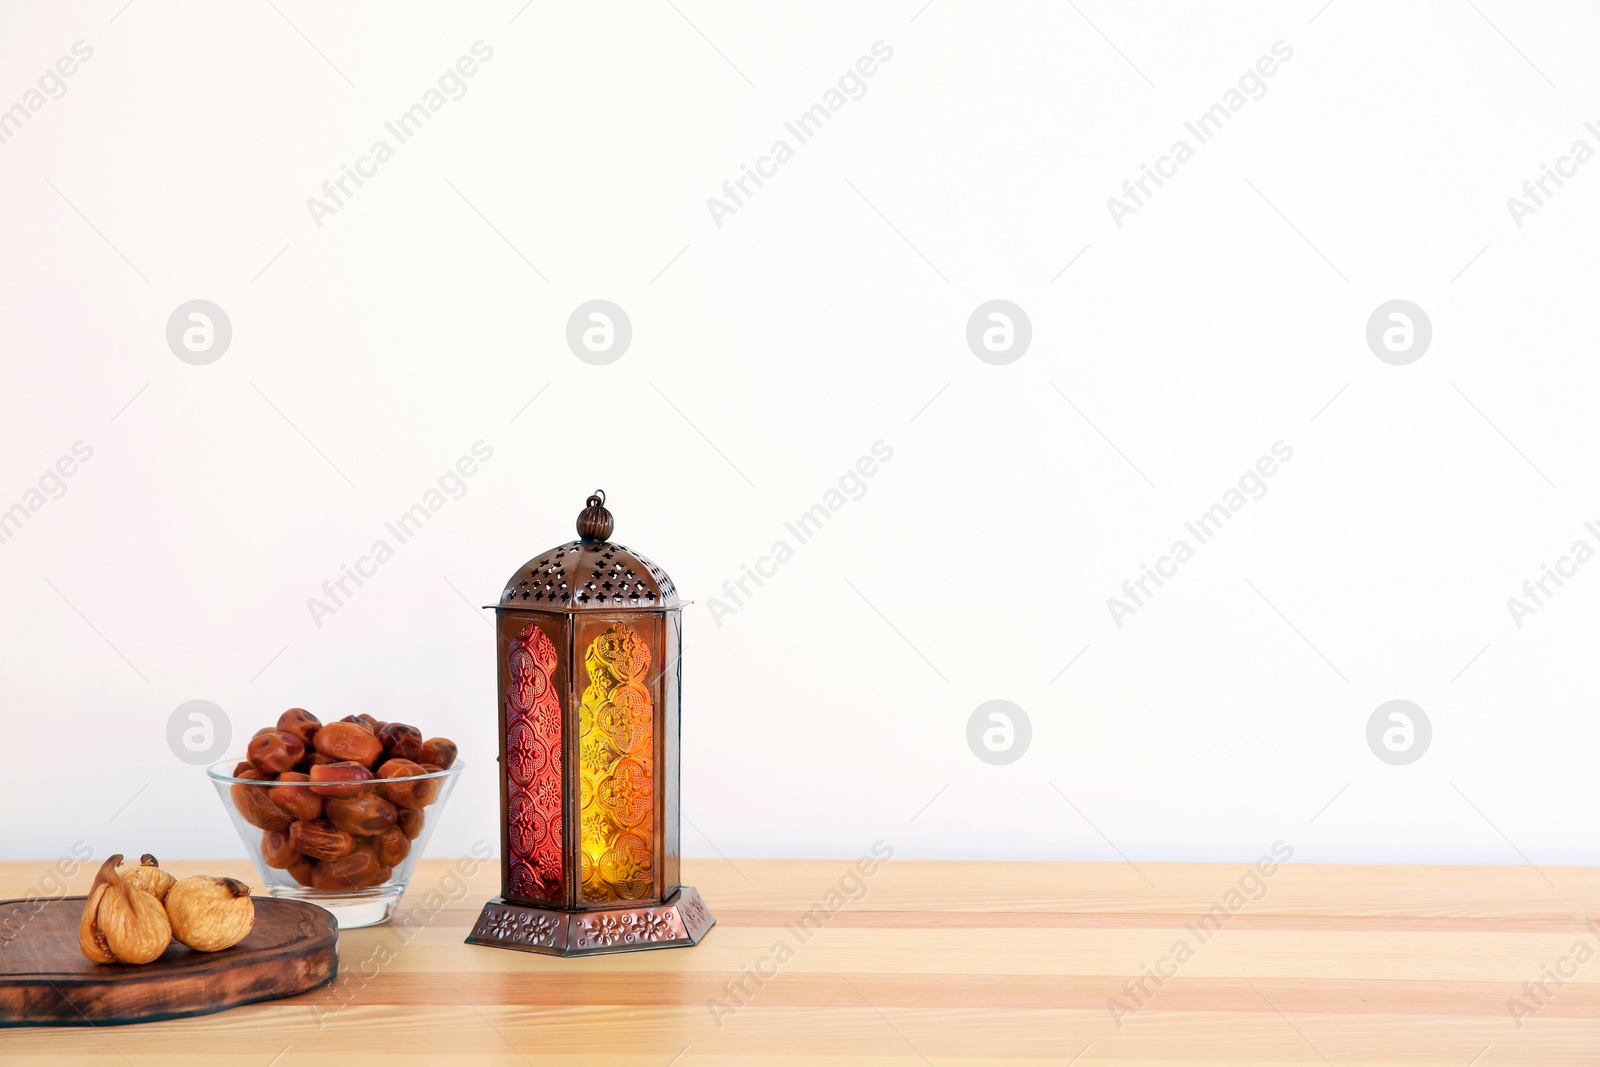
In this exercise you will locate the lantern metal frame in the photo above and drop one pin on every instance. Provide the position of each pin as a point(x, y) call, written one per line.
point(552, 611)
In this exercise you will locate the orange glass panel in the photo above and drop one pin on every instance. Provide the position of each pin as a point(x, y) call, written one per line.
point(616, 756)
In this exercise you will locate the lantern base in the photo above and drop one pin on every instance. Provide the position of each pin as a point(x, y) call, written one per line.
point(678, 922)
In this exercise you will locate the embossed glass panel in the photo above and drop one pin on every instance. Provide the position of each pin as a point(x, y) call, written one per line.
point(616, 752)
point(533, 767)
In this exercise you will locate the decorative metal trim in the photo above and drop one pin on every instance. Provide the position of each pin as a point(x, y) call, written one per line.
point(680, 921)
point(590, 575)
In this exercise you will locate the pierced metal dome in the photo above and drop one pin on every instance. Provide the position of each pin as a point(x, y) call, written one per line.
point(590, 574)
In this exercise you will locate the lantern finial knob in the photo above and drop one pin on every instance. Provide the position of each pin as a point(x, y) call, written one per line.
point(594, 521)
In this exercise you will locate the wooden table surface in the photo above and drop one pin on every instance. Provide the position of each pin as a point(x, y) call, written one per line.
point(945, 963)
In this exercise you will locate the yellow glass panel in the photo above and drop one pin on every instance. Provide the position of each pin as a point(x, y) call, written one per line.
point(615, 756)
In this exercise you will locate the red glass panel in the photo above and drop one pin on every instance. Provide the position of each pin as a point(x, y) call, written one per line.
point(533, 767)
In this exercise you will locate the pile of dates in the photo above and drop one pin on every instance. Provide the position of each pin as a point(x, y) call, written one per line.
point(341, 822)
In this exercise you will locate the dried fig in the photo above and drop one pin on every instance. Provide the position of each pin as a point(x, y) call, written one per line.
point(91, 942)
point(348, 741)
point(149, 876)
point(122, 924)
point(210, 914)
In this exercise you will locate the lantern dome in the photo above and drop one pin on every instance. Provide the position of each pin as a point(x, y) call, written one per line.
point(592, 573)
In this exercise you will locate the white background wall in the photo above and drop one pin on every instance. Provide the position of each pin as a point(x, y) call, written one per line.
point(768, 354)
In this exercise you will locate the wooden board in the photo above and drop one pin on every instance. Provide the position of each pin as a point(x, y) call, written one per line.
point(948, 964)
point(45, 979)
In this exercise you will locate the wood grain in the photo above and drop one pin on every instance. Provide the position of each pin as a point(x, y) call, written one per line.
point(45, 978)
point(939, 963)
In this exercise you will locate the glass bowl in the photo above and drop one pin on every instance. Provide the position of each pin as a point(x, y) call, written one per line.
point(370, 870)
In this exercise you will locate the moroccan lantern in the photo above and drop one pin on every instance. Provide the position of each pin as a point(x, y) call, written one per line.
point(589, 637)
